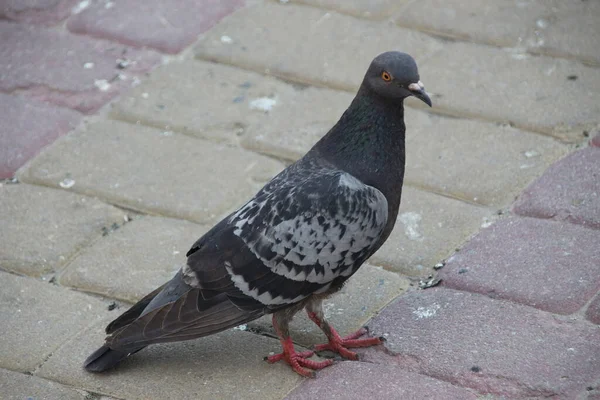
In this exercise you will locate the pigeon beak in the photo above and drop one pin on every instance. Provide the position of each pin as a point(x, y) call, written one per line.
point(418, 90)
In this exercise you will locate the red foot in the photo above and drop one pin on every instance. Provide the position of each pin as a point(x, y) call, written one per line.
point(340, 345)
point(298, 360)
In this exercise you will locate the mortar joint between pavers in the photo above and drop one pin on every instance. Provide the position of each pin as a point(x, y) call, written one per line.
point(60, 346)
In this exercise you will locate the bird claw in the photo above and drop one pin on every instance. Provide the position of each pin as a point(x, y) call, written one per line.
point(340, 345)
point(299, 362)
point(278, 357)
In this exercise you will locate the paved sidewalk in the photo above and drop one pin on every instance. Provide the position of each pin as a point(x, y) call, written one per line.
point(130, 127)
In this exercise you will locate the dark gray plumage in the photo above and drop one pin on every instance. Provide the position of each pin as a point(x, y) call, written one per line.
point(294, 243)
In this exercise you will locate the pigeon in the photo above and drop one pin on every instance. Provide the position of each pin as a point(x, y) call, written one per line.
point(296, 242)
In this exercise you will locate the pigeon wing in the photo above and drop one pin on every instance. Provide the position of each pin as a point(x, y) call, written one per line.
point(296, 237)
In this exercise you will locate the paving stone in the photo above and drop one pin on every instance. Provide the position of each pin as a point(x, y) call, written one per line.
point(369, 290)
point(36, 318)
point(350, 380)
point(43, 228)
point(589, 394)
point(134, 260)
point(153, 171)
point(68, 70)
point(534, 93)
point(366, 9)
point(569, 190)
point(36, 11)
point(556, 28)
point(228, 365)
point(553, 266)
point(328, 48)
point(493, 346)
point(501, 162)
point(232, 102)
point(428, 229)
point(593, 311)
point(29, 126)
point(161, 25)
point(484, 163)
point(17, 386)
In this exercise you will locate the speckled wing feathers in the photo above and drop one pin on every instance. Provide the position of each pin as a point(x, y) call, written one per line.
point(299, 234)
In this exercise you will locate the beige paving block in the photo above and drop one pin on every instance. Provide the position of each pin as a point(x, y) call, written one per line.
point(533, 92)
point(147, 170)
point(36, 318)
point(428, 229)
point(479, 162)
point(366, 9)
point(43, 228)
point(134, 260)
point(553, 27)
point(367, 292)
point(232, 102)
point(484, 163)
point(17, 386)
point(228, 365)
point(308, 44)
point(289, 144)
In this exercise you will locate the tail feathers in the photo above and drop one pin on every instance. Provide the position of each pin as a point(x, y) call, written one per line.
point(105, 358)
point(133, 313)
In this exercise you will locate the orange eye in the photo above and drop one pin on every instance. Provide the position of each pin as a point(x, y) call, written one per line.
point(386, 76)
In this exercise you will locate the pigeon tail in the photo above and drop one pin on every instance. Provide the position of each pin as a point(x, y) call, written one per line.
point(105, 358)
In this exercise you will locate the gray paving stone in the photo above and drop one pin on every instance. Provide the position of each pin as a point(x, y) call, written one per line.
point(168, 27)
point(17, 386)
point(501, 160)
point(553, 27)
point(351, 380)
point(134, 260)
point(493, 346)
point(483, 163)
point(259, 38)
point(36, 318)
point(428, 229)
point(228, 365)
point(569, 190)
point(153, 171)
point(532, 92)
point(366, 9)
point(369, 290)
point(68, 70)
point(590, 393)
point(28, 126)
point(232, 102)
point(553, 266)
point(43, 228)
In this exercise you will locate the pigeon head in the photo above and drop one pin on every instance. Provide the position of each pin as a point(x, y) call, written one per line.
point(394, 76)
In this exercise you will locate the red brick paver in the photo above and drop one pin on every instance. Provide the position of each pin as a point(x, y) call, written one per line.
point(358, 380)
point(596, 140)
point(492, 346)
point(65, 69)
point(550, 265)
point(29, 125)
point(593, 311)
point(163, 25)
point(569, 190)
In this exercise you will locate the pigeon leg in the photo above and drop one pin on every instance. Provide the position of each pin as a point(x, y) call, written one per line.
point(338, 344)
point(298, 361)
